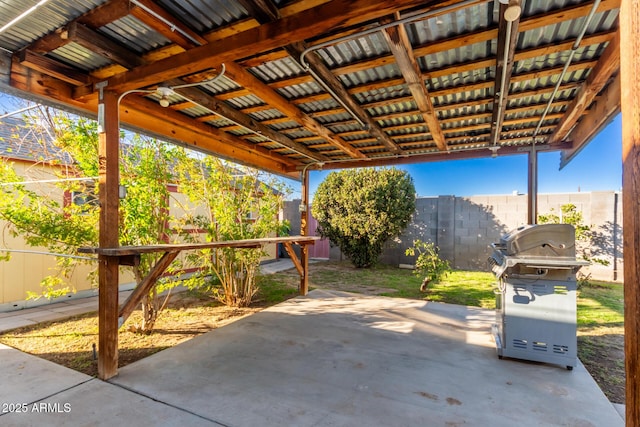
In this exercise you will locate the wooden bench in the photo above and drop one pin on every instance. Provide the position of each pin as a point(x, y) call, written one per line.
point(130, 255)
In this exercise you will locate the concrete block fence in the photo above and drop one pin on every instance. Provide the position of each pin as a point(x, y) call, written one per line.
point(464, 227)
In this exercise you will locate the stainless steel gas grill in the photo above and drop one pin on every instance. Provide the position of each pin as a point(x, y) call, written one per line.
point(536, 269)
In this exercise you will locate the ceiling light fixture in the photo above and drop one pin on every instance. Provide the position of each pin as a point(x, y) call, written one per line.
point(513, 11)
point(165, 93)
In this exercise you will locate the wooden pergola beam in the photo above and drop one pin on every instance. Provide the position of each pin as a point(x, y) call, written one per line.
point(323, 72)
point(459, 88)
point(437, 156)
point(95, 18)
point(630, 104)
point(468, 66)
point(608, 64)
point(479, 101)
point(145, 114)
point(200, 136)
point(527, 24)
point(400, 45)
point(268, 36)
point(262, 11)
point(103, 46)
point(605, 107)
point(271, 97)
point(116, 9)
point(52, 67)
point(149, 15)
point(223, 110)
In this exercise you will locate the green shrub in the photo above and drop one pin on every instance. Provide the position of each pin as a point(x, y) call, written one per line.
point(428, 266)
point(361, 209)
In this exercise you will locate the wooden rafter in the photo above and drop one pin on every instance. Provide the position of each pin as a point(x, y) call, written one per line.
point(323, 72)
point(608, 64)
point(607, 105)
point(224, 110)
point(83, 30)
point(52, 67)
point(95, 18)
point(529, 108)
point(265, 11)
point(200, 136)
point(103, 46)
point(487, 84)
point(271, 97)
point(398, 40)
point(527, 24)
point(262, 11)
point(473, 65)
point(268, 36)
point(178, 33)
point(437, 157)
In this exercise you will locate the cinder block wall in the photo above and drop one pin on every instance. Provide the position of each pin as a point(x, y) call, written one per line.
point(464, 227)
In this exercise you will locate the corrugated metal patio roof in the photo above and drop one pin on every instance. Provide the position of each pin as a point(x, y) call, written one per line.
point(350, 100)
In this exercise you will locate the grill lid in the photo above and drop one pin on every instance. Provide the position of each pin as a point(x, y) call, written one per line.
point(540, 240)
point(544, 246)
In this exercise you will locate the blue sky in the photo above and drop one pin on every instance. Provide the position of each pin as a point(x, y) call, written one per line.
point(598, 167)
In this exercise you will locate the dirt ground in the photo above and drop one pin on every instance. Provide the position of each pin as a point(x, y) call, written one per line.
point(73, 342)
point(602, 353)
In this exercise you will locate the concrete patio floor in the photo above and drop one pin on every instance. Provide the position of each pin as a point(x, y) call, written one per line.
point(328, 359)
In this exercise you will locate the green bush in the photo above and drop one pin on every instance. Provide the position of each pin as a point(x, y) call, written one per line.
point(361, 209)
point(428, 266)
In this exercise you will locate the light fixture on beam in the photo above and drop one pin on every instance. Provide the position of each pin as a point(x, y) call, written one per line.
point(494, 150)
point(165, 93)
point(513, 10)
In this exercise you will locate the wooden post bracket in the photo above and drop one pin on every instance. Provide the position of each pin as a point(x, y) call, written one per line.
point(145, 286)
point(294, 257)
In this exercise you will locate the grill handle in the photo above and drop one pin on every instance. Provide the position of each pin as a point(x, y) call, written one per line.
point(542, 272)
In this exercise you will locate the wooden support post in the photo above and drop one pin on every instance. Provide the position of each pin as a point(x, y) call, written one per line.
point(304, 231)
point(630, 104)
point(532, 185)
point(108, 152)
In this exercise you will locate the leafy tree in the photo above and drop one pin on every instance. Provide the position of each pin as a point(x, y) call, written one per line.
point(145, 170)
point(238, 203)
point(231, 203)
point(41, 220)
point(569, 214)
point(361, 209)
